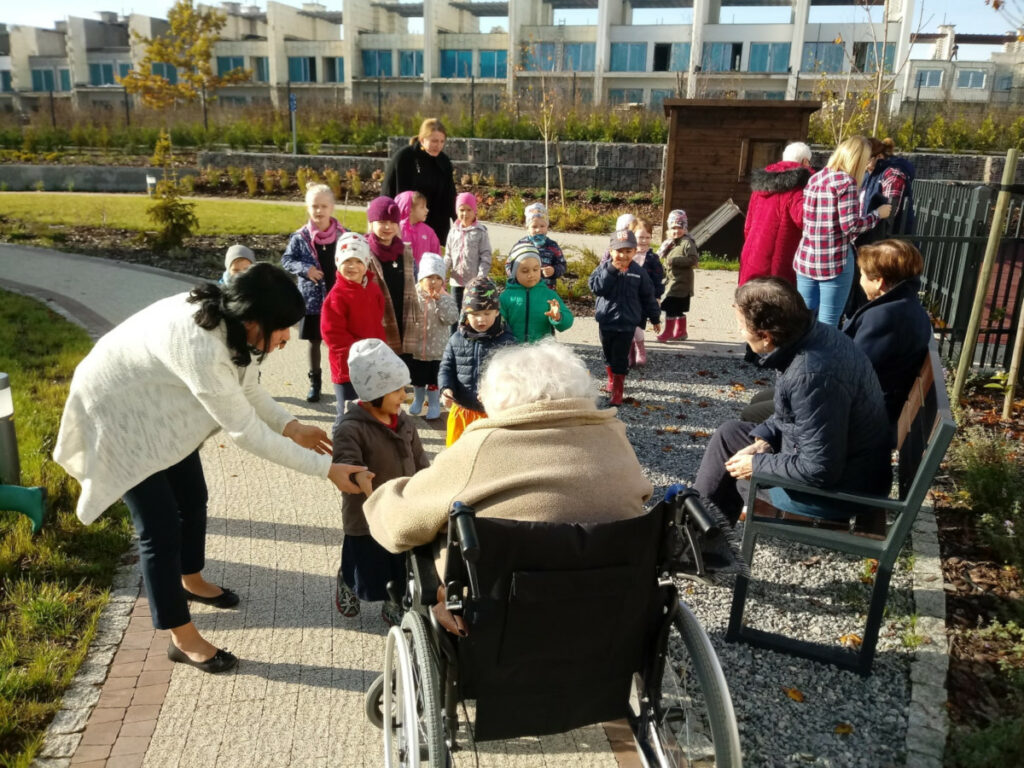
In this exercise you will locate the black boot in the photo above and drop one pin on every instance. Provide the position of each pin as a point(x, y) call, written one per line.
point(313, 396)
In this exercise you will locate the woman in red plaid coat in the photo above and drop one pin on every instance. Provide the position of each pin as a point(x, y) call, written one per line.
point(824, 261)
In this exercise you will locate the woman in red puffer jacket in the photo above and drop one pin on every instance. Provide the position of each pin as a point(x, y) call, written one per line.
point(775, 216)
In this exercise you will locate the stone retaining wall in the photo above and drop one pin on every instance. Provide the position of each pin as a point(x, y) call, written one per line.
point(78, 178)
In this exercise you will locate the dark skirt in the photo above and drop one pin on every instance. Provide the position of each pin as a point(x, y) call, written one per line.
point(309, 328)
point(367, 568)
point(674, 306)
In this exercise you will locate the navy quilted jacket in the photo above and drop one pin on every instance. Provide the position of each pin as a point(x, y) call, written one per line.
point(462, 362)
point(624, 300)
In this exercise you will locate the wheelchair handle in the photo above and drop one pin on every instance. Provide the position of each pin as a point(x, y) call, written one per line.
point(465, 531)
point(689, 500)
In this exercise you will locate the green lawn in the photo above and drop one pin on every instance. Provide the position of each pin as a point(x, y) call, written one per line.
point(216, 217)
point(54, 584)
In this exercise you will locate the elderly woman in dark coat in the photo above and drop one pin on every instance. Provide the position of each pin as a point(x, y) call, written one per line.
point(829, 428)
point(424, 167)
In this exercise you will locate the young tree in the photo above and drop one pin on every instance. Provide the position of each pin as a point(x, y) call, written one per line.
point(188, 47)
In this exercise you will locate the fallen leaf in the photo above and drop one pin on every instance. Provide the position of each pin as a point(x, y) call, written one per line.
point(810, 561)
point(873, 564)
point(680, 416)
point(794, 694)
point(844, 729)
point(221, 445)
point(850, 640)
point(672, 429)
point(699, 435)
point(737, 387)
point(666, 448)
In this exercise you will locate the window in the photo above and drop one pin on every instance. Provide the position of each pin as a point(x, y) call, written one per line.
point(822, 57)
point(1004, 83)
point(123, 68)
point(767, 95)
point(260, 69)
point(301, 69)
point(970, 78)
point(578, 57)
point(769, 57)
point(628, 57)
point(456, 63)
point(65, 79)
point(167, 71)
point(865, 56)
point(101, 74)
point(671, 57)
point(410, 63)
point(376, 62)
point(540, 57)
point(42, 80)
point(928, 78)
point(227, 63)
point(658, 96)
point(334, 69)
point(494, 64)
point(625, 95)
point(5, 81)
point(721, 57)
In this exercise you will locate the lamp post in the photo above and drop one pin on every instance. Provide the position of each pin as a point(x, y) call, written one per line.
point(29, 501)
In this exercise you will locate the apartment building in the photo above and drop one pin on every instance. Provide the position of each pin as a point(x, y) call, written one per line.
point(371, 50)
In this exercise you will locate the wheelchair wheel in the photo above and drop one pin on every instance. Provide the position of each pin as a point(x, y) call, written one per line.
point(693, 723)
point(413, 725)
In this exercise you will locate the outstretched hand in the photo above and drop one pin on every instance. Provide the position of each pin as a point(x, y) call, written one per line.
point(554, 310)
point(308, 436)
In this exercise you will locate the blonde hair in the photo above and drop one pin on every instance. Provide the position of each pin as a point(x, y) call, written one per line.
point(852, 157)
point(429, 126)
point(531, 373)
point(313, 189)
point(641, 222)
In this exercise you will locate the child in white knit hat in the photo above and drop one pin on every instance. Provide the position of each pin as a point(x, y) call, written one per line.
point(428, 325)
point(387, 444)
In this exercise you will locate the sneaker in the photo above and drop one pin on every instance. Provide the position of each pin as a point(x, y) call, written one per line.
point(345, 599)
point(391, 613)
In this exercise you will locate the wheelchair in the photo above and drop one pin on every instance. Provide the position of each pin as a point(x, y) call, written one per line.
point(548, 627)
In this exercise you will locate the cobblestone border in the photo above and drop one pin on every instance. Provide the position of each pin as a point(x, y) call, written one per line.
point(927, 722)
point(65, 731)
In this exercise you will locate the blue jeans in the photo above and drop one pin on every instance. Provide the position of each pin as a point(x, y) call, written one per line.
point(169, 512)
point(828, 297)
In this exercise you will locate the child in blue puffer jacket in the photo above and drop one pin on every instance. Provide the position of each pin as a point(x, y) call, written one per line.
point(481, 331)
point(625, 297)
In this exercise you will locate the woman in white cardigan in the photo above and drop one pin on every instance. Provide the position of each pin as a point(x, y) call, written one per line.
point(144, 400)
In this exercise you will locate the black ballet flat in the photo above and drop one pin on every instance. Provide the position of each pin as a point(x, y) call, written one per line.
point(226, 599)
point(221, 661)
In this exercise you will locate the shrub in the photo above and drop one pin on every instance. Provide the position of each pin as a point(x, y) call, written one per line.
point(354, 182)
point(188, 184)
point(284, 180)
point(333, 179)
point(234, 176)
point(174, 218)
point(269, 182)
point(251, 184)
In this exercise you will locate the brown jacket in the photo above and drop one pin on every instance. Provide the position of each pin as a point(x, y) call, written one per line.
point(554, 461)
point(391, 331)
point(679, 264)
point(388, 453)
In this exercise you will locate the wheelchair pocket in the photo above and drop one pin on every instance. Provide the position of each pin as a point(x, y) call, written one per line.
point(554, 615)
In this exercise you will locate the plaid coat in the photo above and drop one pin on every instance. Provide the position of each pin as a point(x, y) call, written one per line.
point(831, 221)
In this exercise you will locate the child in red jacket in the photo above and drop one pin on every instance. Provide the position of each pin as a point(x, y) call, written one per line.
point(353, 310)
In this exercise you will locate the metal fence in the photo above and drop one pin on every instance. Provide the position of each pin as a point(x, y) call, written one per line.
point(953, 221)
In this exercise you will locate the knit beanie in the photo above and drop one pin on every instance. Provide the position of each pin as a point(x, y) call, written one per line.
point(622, 239)
point(404, 202)
point(430, 264)
point(536, 211)
point(624, 221)
point(467, 199)
point(523, 249)
point(375, 370)
point(481, 293)
point(382, 209)
point(677, 218)
point(351, 246)
point(236, 252)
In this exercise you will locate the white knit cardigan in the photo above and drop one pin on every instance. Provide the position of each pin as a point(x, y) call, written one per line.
point(150, 392)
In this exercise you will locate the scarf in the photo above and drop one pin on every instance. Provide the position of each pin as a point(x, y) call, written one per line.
point(383, 252)
point(315, 237)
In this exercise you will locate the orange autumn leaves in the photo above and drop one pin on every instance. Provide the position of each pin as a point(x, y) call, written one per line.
point(841, 728)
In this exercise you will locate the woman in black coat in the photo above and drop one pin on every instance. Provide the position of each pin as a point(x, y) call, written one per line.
point(829, 429)
point(424, 167)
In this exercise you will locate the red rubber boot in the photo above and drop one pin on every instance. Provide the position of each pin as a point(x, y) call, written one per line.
point(618, 381)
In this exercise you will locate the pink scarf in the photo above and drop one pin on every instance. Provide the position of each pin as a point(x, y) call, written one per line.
point(383, 252)
point(315, 237)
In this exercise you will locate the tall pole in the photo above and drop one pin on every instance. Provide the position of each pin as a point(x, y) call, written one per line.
point(913, 120)
point(995, 234)
point(472, 104)
point(127, 114)
point(1011, 379)
point(53, 110)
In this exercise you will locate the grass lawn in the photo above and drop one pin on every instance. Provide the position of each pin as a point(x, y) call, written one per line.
point(216, 217)
point(53, 584)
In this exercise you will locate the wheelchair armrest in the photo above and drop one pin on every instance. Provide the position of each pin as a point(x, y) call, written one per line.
point(765, 480)
point(421, 560)
point(463, 539)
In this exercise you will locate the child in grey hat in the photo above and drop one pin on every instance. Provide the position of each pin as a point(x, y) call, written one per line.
point(385, 439)
point(236, 260)
point(428, 325)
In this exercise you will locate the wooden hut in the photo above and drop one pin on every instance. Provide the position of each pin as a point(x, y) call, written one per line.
point(714, 144)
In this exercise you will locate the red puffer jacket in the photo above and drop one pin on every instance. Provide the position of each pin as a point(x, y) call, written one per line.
point(775, 220)
point(351, 311)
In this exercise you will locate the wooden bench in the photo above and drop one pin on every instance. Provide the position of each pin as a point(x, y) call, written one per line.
point(924, 431)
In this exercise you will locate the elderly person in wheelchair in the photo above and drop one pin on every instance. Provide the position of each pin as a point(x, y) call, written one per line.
point(554, 607)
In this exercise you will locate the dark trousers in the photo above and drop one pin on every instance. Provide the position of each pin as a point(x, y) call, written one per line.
point(616, 346)
point(423, 372)
point(457, 292)
point(762, 405)
point(169, 512)
point(713, 480)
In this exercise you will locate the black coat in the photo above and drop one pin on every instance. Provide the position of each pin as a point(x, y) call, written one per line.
point(893, 331)
point(462, 362)
point(829, 429)
point(624, 299)
point(411, 168)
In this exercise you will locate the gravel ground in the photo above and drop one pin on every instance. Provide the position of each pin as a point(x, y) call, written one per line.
point(812, 594)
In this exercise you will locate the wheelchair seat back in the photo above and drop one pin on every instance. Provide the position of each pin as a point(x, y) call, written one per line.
point(566, 615)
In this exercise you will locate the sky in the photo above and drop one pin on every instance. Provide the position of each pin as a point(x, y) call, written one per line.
point(969, 16)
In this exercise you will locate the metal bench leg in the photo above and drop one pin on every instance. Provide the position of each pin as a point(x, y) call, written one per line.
point(879, 595)
point(739, 592)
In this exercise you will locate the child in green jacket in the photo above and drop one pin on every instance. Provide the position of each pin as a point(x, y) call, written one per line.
point(530, 309)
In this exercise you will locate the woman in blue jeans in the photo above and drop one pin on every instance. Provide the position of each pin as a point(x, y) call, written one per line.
point(829, 428)
point(144, 400)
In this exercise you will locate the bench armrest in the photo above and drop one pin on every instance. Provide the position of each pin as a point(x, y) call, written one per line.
point(765, 479)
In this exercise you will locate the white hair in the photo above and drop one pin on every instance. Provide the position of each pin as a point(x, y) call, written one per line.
point(312, 190)
point(530, 373)
point(797, 152)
